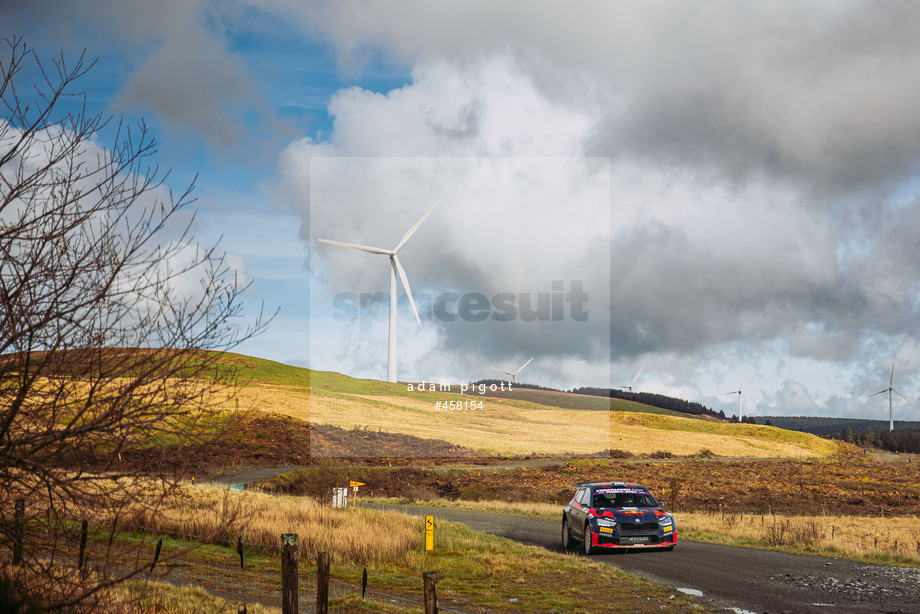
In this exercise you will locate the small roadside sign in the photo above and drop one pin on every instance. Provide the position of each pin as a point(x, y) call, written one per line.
point(429, 533)
point(354, 488)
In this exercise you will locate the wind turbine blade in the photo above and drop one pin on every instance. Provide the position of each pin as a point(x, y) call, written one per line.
point(754, 405)
point(880, 392)
point(363, 248)
point(741, 387)
point(524, 365)
point(502, 371)
point(414, 228)
point(902, 396)
point(891, 381)
point(405, 282)
point(637, 374)
point(722, 394)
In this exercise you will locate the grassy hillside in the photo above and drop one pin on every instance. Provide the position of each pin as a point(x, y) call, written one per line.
point(258, 371)
point(520, 422)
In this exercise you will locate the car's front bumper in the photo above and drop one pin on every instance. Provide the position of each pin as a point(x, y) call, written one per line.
point(613, 539)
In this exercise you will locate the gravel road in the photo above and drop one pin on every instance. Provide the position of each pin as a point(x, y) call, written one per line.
point(727, 578)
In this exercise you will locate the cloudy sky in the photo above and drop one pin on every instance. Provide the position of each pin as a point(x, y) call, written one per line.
point(733, 186)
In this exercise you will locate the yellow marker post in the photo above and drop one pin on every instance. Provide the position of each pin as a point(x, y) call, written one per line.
point(429, 533)
point(354, 486)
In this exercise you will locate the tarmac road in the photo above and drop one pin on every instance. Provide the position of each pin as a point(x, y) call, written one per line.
point(724, 577)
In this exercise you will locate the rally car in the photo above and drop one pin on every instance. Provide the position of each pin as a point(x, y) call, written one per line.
point(616, 515)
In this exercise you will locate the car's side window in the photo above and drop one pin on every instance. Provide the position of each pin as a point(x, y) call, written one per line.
point(578, 494)
point(583, 496)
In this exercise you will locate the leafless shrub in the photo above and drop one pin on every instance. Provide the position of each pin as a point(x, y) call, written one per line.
point(787, 534)
point(112, 318)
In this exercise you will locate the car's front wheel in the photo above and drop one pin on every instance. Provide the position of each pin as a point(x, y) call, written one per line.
point(566, 535)
point(589, 547)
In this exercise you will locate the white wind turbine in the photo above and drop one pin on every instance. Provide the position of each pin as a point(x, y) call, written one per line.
point(630, 386)
point(515, 373)
point(395, 268)
point(889, 390)
point(740, 393)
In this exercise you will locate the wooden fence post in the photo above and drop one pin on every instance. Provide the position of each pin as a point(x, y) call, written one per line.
point(290, 597)
point(431, 592)
point(19, 517)
point(322, 583)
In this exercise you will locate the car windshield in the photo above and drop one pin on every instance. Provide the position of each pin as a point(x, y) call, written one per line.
point(624, 499)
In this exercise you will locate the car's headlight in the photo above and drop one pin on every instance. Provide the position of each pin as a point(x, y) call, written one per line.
point(665, 521)
point(601, 522)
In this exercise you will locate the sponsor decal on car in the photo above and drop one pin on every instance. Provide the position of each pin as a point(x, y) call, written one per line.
point(628, 491)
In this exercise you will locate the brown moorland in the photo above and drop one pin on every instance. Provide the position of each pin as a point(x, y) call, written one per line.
point(262, 439)
point(849, 483)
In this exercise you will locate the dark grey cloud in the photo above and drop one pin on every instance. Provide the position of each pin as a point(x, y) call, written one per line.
point(820, 94)
point(192, 84)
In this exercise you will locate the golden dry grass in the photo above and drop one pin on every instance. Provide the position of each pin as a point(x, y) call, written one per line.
point(857, 536)
point(212, 513)
point(162, 598)
point(513, 427)
point(261, 519)
point(546, 511)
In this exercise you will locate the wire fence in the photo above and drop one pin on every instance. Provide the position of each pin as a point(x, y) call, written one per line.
point(245, 573)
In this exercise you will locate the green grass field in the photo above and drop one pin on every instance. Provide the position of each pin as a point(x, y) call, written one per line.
point(504, 423)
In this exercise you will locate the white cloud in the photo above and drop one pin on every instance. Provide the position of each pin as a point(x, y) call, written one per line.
point(520, 209)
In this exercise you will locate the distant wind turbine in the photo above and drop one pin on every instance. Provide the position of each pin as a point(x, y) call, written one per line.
point(515, 373)
point(630, 386)
point(740, 393)
point(395, 268)
point(889, 390)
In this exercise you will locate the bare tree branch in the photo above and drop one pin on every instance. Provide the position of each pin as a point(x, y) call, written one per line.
point(112, 318)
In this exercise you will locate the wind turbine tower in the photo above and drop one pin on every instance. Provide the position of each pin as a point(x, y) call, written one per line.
point(395, 269)
point(740, 393)
point(514, 374)
point(889, 390)
point(630, 386)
